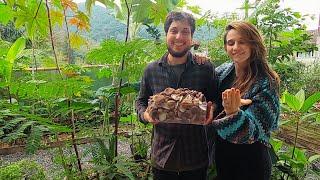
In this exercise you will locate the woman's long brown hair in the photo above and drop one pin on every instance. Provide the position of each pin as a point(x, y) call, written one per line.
point(258, 65)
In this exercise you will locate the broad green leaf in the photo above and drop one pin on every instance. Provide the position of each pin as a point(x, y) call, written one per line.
point(310, 101)
point(6, 14)
point(141, 11)
point(300, 96)
point(33, 17)
point(13, 52)
point(57, 4)
point(282, 99)
point(16, 49)
point(300, 155)
point(293, 102)
point(160, 10)
point(276, 143)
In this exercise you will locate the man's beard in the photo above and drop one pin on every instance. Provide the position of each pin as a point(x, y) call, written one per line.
point(177, 54)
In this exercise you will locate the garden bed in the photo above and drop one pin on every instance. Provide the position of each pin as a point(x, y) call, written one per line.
point(308, 136)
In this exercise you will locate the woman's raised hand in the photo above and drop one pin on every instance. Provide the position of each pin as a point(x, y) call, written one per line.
point(231, 101)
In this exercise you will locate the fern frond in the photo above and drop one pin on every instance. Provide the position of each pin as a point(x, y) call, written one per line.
point(12, 124)
point(14, 136)
point(24, 127)
point(34, 140)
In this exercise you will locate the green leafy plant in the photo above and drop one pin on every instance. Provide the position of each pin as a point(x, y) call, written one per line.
point(288, 167)
point(109, 166)
point(283, 30)
point(139, 148)
point(300, 109)
point(68, 160)
point(24, 169)
point(6, 64)
point(19, 125)
point(138, 53)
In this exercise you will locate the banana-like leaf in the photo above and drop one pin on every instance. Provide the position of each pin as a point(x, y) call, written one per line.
point(310, 101)
point(300, 96)
point(6, 14)
point(293, 102)
point(13, 52)
point(16, 49)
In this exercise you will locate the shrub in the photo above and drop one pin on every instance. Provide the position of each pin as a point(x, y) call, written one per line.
point(22, 170)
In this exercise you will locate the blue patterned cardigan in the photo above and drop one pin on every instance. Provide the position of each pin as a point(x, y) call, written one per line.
point(255, 121)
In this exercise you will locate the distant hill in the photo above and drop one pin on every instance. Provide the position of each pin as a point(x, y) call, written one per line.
point(104, 25)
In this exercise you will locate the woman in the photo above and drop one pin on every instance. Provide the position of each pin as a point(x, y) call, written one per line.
point(243, 132)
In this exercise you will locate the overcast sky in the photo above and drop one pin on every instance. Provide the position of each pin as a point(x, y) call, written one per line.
point(222, 6)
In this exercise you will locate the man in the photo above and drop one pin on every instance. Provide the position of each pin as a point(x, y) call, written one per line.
point(179, 151)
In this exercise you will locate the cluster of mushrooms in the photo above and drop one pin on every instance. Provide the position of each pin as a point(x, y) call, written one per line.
point(181, 105)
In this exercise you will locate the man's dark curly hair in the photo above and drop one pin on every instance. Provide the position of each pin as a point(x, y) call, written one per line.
point(179, 16)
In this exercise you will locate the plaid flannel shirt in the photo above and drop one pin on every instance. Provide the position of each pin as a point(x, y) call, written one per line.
point(177, 147)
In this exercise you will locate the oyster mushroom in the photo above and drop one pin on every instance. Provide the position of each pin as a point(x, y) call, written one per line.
point(178, 106)
point(162, 116)
point(168, 91)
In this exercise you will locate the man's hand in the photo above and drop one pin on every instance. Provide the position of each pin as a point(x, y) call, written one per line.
point(210, 109)
point(148, 118)
point(201, 58)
